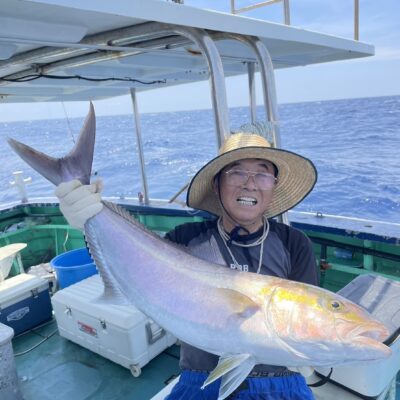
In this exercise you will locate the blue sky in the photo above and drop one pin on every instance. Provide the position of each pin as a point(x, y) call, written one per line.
point(373, 76)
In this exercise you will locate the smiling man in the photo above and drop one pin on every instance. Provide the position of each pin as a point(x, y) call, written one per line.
point(245, 186)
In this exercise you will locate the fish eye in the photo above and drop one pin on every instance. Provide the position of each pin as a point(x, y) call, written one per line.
point(335, 305)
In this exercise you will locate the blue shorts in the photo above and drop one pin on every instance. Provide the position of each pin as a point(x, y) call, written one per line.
point(293, 387)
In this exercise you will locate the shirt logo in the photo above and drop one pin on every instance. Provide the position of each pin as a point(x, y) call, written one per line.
point(244, 267)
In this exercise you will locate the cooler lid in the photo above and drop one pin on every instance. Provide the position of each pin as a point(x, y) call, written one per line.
point(378, 295)
point(84, 296)
point(18, 286)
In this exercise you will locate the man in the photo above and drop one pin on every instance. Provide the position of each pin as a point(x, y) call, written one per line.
point(246, 185)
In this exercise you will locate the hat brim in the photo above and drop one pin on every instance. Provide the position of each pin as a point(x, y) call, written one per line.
point(296, 178)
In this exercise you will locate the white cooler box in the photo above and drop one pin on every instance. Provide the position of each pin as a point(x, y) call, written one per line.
point(120, 333)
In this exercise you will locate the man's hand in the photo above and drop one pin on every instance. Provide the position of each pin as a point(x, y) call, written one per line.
point(79, 202)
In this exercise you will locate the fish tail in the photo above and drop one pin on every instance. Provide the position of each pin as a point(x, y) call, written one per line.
point(77, 164)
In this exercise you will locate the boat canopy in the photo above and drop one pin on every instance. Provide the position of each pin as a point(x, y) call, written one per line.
point(63, 50)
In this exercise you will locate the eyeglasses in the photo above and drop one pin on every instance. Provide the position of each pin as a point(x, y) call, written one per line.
point(239, 177)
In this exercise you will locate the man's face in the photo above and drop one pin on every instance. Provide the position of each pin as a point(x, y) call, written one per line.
point(246, 202)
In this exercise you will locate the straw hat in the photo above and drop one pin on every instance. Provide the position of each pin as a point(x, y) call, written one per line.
point(296, 174)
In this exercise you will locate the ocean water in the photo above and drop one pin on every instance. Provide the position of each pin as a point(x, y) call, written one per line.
point(353, 143)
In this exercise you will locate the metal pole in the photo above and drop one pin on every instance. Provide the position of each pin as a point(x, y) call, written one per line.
point(254, 6)
point(286, 11)
point(233, 11)
point(252, 91)
point(268, 83)
point(356, 19)
point(270, 98)
point(140, 146)
point(217, 77)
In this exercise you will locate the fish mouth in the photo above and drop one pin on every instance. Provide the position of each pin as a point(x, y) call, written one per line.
point(371, 335)
point(247, 201)
point(374, 331)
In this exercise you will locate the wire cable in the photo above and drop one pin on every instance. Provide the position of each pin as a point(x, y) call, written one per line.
point(36, 345)
point(32, 77)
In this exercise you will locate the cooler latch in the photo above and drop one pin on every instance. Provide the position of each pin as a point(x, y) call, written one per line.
point(154, 332)
point(68, 310)
point(35, 293)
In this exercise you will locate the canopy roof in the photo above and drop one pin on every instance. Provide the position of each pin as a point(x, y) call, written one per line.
point(112, 46)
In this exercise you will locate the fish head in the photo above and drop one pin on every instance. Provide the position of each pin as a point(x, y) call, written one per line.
point(327, 327)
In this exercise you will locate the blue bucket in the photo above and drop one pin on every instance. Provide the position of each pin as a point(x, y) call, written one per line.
point(73, 266)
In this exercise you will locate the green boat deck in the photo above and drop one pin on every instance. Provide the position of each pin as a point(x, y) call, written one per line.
point(62, 370)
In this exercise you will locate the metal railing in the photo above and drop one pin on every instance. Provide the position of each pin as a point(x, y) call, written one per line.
point(286, 11)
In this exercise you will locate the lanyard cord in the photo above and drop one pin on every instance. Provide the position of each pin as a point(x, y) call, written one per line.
point(260, 241)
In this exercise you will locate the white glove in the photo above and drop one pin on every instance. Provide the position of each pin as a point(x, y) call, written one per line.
point(79, 202)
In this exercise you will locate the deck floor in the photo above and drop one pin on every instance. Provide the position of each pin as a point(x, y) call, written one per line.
point(398, 387)
point(61, 370)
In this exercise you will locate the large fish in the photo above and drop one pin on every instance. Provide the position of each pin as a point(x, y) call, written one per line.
point(245, 318)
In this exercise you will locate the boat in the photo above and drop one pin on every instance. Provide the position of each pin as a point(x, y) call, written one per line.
point(65, 50)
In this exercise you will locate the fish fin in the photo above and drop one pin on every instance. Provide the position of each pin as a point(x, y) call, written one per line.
point(111, 292)
point(112, 295)
point(233, 369)
point(117, 301)
point(242, 305)
point(47, 166)
point(75, 165)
